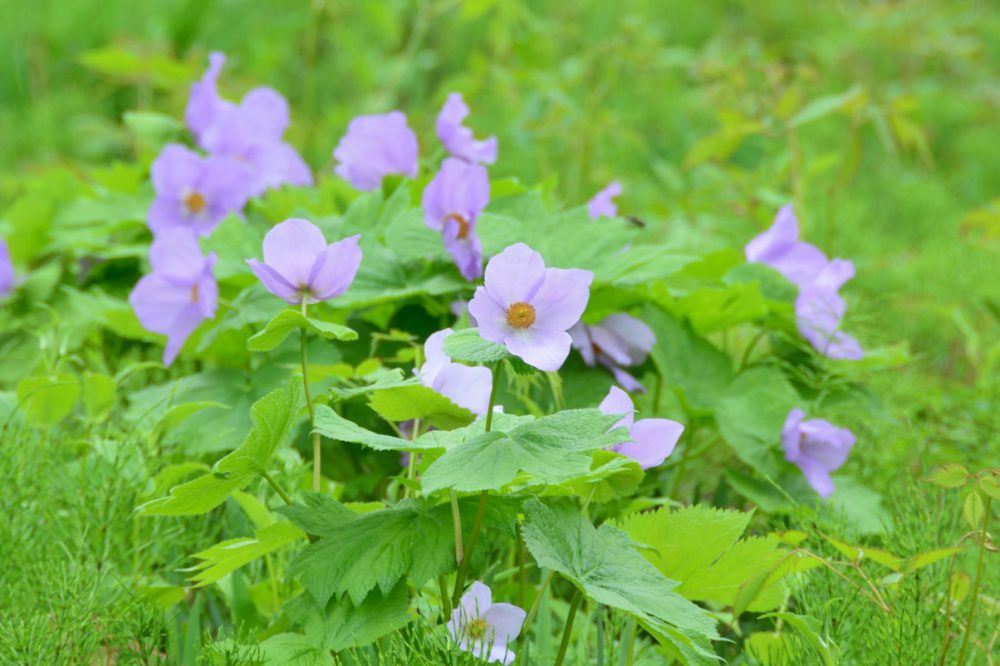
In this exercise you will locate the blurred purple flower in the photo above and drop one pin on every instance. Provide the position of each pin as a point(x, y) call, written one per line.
point(618, 340)
point(819, 308)
point(7, 274)
point(194, 192)
point(603, 203)
point(452, 202)
point(374, 147)
point(817, 447)
point(466, 386)
point(180, 292)
point(250, 132)
point(484, 628)
point(299, 264)
point(652, 440)
point(458, 139)
point(528, 307)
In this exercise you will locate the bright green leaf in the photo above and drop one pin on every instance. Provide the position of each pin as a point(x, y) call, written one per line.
point(287, 321)
point(405, 403)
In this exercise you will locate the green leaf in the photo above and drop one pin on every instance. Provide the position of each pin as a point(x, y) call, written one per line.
point(552, 449)
point(99, 392)
point(988, 484)
point(288, 321)
point(378, 549)
point(688, 363)
point(812, 631)
point(274, 417)
point(331, 424)
point(824, 106)
point(405, 403)
point(699, 547)
point(928, 558)
point(225, 557)
point(951, 475)
point(611, 475)
point(715, 309)
point(48, 399)
point(857, 553)
point(290, 649)
point(386, 379)
point(973, 510)
point(603, 564)
point(751, 412)
point(318, 514)
point(467, 346)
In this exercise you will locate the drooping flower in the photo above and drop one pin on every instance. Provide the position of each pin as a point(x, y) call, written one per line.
point(816, 447)
point(603, 203)
point(250, 132)
point(484, 628)
point(452, 202)
point(7, 274)
point(179, 294)
point(375, 147)
point(464, 385)
point(618, 340)
point(299, 264)
point(819, 311)
point(193, 192)
point(780, 248)
point(528, 307)
point(652, 440)
point(458, 139)
point(819, 308)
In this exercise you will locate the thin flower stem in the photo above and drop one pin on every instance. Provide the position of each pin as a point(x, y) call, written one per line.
point(574, 606)
point(274, 484)
point(456, 519)
point(970, 620)
point(445, 599)
point(538, 602)
point(317, 450)
point(463, 566)
point(521, 567)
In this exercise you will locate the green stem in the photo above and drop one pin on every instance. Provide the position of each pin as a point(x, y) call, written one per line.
point(317, 451)
point(629, 638)
point(521, 567)
point(567, 630)
point(277, 488)
point(456, 519)
point(975, 586)
point(463, 565)
point(538, 602)
point(445, 600)
point(463, 568)
point(493, 398)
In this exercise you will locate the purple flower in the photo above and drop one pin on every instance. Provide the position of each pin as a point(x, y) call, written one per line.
point(464, 385)
point(458, 139)
point(452, 202)
point(817, 447)
point(602, 203)
point(618, 340)
point(249, 132)
point(780, 248)
point(6, 270)
point(652, 440)
point(528, 307)
point(484, 628)
point(819, 309)
point(193, 192)
point(299, 264)
point(375, 147)
point(179, 294)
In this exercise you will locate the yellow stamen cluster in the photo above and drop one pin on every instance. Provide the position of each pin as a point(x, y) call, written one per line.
point(521, 315)
point(463, 225)
point(195, 203)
